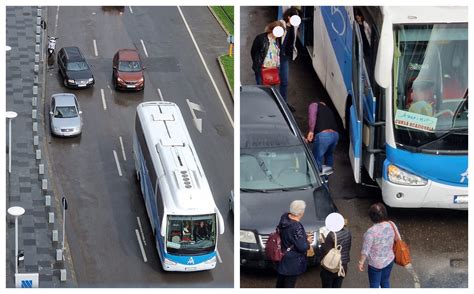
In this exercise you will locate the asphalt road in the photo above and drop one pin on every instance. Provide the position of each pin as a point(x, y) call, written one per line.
point(104, 206)
point(438, 239)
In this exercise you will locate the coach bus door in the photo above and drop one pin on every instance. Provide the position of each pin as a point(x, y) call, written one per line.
point(355, 110)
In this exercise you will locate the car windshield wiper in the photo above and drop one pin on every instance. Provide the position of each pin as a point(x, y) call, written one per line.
point(298, 188)
point(461, 131)
point(253, 190)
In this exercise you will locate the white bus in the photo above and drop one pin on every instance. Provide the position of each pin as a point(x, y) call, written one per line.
point(183, 215)
point(404, 99)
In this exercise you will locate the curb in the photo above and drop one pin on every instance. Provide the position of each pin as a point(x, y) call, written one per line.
point(218, 20)
point(225, 76)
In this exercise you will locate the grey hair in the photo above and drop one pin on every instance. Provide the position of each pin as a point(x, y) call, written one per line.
point(297, 207)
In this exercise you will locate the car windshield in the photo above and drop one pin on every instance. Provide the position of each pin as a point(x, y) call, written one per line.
point(65, 112)
point(277, 168)
point(77, 66)
point(129, 66)
point(191, 235)
point(431, 87)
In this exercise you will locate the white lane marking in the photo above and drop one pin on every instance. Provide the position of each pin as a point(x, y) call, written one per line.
point(141, 230)
point(95, 47)
point(118, 164)
point(103, 99)
point(207, 69)
point(192, 108)
point(218, 256)
point(56, 23)
point(141, 245)
point(144, 49)
point(123, 149)
point(131, 10)
point(161, 95)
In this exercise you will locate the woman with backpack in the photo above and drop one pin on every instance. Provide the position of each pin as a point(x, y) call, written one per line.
point(295, 243)
point(331, 279)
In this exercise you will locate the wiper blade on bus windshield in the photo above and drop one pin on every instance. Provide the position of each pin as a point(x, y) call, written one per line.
point(461, 131)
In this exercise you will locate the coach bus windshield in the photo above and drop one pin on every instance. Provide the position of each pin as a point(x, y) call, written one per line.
point(431, 87)
point(191, 235)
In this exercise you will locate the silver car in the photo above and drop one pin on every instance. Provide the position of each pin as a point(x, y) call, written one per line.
point(65, 116)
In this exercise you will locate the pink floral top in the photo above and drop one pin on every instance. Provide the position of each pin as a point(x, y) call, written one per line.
point(378, 245)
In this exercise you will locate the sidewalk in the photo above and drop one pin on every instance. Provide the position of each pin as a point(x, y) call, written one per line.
point(28, 185)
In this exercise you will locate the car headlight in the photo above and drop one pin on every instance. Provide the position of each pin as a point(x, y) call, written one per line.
point(119, 80)
point(57, 129)
point(140, 80)
point(247, 237)
point(91, 79)
point(399, 176)
point(71, 81)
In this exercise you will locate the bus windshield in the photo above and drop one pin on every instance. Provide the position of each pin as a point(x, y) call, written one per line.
point(431, 87)
point(276, 169)
point(191, 234)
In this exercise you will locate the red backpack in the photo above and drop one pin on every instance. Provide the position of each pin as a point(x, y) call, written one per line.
point(273, 250)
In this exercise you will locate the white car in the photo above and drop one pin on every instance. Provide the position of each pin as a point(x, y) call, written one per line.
point(65, 115)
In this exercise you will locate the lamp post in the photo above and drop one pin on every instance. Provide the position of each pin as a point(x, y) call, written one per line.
point(10, 115)
point(16, 211)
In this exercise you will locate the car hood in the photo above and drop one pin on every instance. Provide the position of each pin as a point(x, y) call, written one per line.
point(79, 75)
point(261, 212)
point(130, 76)
point(72, 122)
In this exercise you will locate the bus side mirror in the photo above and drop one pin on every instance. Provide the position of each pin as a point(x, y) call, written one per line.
point(220, 221)
point(384, 61)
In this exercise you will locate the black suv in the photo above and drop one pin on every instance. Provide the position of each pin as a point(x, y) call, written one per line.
point(74, 69)
point(276, 167)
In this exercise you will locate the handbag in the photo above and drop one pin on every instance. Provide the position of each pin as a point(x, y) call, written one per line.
point(270, 76)
point(332, 261)
point(400, 249)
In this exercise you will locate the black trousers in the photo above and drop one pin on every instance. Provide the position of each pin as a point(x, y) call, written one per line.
point(330, 280)
point(286, 281)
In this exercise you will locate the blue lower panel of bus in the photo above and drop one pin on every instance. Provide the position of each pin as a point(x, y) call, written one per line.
point(190, 260)
point(445, 169)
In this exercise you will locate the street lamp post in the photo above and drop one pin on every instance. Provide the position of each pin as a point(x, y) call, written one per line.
point(10, 115)
point(16, 211)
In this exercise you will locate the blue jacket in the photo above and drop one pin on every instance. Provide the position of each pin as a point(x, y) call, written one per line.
point(293, 236)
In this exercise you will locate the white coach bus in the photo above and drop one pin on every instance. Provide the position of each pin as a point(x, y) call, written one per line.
point(183, 215)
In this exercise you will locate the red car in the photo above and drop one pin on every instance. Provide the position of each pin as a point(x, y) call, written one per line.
point(128, 70)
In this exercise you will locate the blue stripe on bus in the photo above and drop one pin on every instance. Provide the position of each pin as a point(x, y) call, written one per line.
point(339, 29)
point(190, 260)
point(446, 169)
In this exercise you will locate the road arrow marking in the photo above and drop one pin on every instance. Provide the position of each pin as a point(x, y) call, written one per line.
point(192, 108)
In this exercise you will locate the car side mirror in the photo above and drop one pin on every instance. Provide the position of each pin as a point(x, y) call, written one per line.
point(80, 111)
point(144, 67)
point(51, 112)
point(115, 67)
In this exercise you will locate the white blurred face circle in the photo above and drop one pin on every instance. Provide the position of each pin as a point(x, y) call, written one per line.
point(278, 31)
point(295, 20)
point(334, 222)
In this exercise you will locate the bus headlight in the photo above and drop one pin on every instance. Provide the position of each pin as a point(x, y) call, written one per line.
point(211, 261)
point(397, 175)
point(169, 262)
point(247, 237)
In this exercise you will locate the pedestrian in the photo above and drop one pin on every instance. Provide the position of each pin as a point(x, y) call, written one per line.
point(288, 50)
point(366, 33)
point(295, 243)
point(265, 50)
point(343, 236)
point(323, 130)
point(377, 248)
